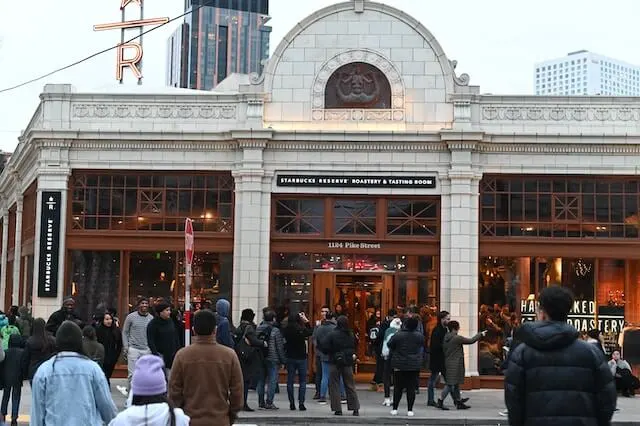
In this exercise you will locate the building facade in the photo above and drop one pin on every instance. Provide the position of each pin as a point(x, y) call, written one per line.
point(217, 39)
point(358, 171)
point(586, 73)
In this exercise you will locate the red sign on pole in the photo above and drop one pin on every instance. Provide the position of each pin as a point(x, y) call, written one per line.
point(188, 241)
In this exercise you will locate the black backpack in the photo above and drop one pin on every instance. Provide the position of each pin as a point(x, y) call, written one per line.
point(242, 347)
point(265, 336)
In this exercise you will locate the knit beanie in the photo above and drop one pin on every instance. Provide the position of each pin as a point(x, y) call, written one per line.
point(149, 378)
point(69, 337)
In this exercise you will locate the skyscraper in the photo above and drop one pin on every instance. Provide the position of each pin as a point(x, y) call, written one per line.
point(218, 38)
point(586, 73)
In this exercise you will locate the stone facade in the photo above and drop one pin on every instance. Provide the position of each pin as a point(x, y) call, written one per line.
point(260, 126)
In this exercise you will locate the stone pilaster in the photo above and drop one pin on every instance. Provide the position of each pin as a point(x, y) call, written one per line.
point(251, 231)
point(17, 251)
point(4, 258)
point(459, 245)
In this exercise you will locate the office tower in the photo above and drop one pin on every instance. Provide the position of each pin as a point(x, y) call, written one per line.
point(586, 73)
point(218, 38)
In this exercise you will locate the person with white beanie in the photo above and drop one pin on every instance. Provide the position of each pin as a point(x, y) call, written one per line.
point(149, 403)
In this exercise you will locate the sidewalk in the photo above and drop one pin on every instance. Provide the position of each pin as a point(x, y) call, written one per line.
point(486, 404)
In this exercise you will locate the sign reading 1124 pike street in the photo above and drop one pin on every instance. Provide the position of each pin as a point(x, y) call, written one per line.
point(49, 263)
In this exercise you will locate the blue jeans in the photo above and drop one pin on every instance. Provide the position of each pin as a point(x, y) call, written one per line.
point(271, 376)
point(15, 392)
point(433, 381)
point(299, 366)
point(324, 385)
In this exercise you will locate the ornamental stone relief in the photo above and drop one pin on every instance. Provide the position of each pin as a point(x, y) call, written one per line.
point(542, 113)
point(155, 111)
point(358, 85)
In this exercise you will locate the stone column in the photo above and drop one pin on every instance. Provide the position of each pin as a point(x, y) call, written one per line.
point(459, 246)
point(44, 306)
point(4, 257)
point(17, 251)
point(251, 231)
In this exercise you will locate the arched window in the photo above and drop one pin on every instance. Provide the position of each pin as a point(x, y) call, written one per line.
point(357, 85)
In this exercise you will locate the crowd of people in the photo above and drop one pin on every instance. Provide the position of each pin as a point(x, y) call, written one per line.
point(69, 364)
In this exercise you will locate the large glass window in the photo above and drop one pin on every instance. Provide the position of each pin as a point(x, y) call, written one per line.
point(94, 278)
point(408, 218)
point(559, 207)
point(354, 217)
point(152, 202)
point(160, 275)
point(299, 216)
point(509, 289)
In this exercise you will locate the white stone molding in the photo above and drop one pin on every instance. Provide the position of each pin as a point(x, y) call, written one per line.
point(395, 113)
point(153, 111)
point(560, 113)
point(17, 251)
point(3, 257)
point(357, 146)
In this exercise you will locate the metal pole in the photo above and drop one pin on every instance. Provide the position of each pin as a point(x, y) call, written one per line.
point(187, 305)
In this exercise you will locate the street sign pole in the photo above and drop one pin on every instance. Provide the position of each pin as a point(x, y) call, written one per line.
point(188, 252)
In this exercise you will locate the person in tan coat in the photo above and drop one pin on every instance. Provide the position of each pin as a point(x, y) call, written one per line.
point(206, 378)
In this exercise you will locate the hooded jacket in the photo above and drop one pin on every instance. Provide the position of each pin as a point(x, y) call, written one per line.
point(556, 379)
point(13, 365)
point(319, 335)
point(149, 415)
point(223, 331)
point(406, 350)
point(393, 328)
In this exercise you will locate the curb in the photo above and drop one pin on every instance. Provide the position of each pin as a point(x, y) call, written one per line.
point(387, 421)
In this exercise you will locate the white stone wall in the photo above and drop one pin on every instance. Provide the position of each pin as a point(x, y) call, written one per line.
point(424, 79)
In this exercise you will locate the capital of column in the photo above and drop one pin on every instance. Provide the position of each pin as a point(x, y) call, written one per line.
point(19, 203)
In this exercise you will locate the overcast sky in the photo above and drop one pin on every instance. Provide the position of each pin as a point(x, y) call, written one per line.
point(495, 41)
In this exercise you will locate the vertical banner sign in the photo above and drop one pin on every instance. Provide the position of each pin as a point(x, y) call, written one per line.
point(188, 261)
point(49, 261)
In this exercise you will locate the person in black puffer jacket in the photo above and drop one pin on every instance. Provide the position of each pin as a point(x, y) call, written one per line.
point(162, 335)
point(407, 347)
point(554, 378)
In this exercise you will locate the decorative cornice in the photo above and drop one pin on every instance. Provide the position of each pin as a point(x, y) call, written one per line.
point(154, 111)
point(544, 148)
point(251, 143)
point(358, 114)
point(355, 146)
point(560, 113)
point(127, 145)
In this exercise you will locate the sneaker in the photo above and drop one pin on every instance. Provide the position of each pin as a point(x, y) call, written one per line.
point(322, 401)
point(122, 390)
point(262, 406)
point(394, 412)
point(248, 409)
point(343, 401)
point(337, 413)
point(464, 400)
point(270, 407)
point(301, 407)
point(504, 413)
point(292, 406)
point(387, 402)
point(356, 413)
point(316, 396)
point(431, 404)
point(462, 406)
point(410, 414)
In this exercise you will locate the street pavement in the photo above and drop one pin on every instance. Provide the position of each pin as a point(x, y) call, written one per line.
point(485, 408)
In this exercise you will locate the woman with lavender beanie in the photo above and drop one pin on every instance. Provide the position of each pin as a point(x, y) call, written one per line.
point(150, 405)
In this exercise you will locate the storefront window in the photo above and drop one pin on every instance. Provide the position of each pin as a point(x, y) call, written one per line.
point(160, 275)
point(509, 289)
point(412, 218)
point(559, 207)
point(152, 202)
point(299, 216)
point(354, 217)
point(292, 293)
point(94, 277)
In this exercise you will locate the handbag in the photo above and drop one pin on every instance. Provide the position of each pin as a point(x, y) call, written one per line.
point(243, 348)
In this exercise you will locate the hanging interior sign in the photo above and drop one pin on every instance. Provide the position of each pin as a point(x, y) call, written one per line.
point(49, 257)
point(583, 315)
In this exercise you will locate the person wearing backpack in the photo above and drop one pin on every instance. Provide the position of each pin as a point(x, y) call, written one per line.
point(249, 348)
point(340, 345)
point(8, 328)
point(274, 357)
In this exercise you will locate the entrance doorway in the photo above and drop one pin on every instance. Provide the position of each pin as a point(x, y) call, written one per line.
point(363, 298)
